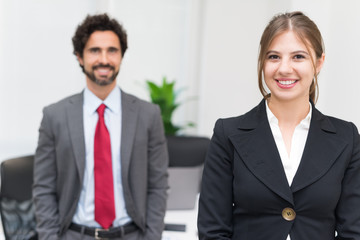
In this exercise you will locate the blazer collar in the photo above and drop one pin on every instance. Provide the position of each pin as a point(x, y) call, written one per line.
point(76, 126)
point(75, 123)
point(256, 146)
point(322, 148)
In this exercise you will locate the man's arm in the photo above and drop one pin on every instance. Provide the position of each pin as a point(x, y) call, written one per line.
point(157, 179)
point(44, 188)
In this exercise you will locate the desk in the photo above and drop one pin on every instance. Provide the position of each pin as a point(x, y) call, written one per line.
point(2, 236)
point(187, 217)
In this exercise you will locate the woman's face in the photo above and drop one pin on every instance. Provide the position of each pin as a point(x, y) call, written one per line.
point(288, 69)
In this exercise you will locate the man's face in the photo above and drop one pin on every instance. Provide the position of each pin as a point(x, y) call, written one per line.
point(101, 57)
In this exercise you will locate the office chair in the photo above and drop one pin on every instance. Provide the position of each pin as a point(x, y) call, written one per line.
point(16, 207)
point(186, 160)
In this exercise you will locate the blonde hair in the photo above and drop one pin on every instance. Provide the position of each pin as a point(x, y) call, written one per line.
point(307, 32)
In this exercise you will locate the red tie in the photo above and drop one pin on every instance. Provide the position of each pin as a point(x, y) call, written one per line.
point(104, 186)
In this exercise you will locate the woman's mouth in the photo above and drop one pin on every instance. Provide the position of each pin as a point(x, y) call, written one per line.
point(286, 83)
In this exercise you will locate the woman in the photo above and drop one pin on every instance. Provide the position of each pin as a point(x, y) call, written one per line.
point(283, 170)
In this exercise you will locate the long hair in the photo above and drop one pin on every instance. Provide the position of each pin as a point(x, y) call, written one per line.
point(307, 32)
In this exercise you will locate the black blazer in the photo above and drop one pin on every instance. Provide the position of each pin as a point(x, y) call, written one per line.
point(245, 190)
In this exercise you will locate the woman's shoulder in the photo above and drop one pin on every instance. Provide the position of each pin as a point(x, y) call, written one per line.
point(335, 124)
point(247, 120)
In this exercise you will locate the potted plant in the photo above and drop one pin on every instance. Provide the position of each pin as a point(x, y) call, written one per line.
point(186, 153)
point(165, 95)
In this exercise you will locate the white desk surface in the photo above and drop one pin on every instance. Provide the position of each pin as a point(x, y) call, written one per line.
point(2, 237)
point(187, 217)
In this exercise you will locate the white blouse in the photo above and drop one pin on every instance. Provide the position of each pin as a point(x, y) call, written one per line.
point(290, 162)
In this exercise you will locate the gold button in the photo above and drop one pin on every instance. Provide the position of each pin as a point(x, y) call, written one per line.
point(288, 214)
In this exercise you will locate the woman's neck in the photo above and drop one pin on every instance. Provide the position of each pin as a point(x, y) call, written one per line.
point(289, 112)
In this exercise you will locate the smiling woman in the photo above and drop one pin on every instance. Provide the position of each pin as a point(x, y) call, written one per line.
point(272, 166)
point(288, 71)
point(302, 39)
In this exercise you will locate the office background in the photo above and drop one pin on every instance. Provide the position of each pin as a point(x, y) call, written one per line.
point(209, 47)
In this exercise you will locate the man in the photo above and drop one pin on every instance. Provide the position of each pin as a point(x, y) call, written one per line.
point(101, 162)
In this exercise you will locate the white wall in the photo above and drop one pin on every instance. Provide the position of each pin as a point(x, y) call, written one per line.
point(38, 68)
point(339, 80)
point(209, 46)
point(232, 31)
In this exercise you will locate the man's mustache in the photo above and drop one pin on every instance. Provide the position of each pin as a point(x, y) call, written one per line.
point(103, 66)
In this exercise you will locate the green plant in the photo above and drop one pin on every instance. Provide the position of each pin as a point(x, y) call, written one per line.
point(165, 96)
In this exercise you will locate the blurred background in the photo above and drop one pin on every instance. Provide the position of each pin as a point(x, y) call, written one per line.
point(209, 47)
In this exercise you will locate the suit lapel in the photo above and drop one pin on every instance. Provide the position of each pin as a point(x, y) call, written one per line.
point(322, 148)
point(257, 148)
point(76, 126)
point(129, 122)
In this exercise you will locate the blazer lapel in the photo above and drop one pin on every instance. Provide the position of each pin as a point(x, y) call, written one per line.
point(322, 148)
point(257, 148)
point(76, 128)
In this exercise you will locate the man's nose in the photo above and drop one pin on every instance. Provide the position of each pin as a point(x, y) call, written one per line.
point(104, 58)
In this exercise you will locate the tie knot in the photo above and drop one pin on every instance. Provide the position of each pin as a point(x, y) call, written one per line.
point(101, 109)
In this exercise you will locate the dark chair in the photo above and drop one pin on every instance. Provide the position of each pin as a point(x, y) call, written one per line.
point(186, 160)
point(16, 207)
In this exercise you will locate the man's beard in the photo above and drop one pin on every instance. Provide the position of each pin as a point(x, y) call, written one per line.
point(101, 82)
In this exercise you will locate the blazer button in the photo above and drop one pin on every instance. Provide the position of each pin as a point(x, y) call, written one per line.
point(288, 214)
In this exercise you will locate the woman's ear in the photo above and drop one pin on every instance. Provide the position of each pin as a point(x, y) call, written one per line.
point(320, 63)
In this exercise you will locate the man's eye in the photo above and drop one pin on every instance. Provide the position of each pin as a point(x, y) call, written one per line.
point(94, 50)
point(113, 50)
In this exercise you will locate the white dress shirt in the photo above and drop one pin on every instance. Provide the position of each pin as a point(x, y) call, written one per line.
point(84, 214)
point(290, 162)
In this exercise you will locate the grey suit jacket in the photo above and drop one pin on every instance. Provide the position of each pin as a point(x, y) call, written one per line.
point(60, 163)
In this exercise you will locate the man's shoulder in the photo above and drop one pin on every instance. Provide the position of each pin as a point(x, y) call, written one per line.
point(64, 102)
point(129, 98)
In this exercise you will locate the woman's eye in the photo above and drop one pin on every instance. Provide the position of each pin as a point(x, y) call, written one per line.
point(273, 57)
point(299, 56)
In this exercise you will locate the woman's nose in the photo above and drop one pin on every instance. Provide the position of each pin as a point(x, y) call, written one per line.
point(285, 66)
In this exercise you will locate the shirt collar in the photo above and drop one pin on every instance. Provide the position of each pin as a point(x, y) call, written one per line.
point(112, 101)
point(272, 119)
